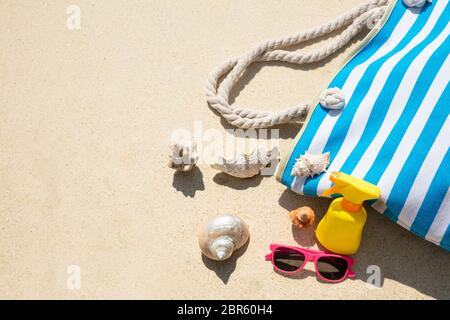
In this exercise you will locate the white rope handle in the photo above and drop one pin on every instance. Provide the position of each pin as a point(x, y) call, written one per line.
point(218, 92)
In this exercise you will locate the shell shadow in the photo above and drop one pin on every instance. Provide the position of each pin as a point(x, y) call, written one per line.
point(291, 200)
point(304, 236)
point(224, 269)
point(224, 179)
point(188, 182)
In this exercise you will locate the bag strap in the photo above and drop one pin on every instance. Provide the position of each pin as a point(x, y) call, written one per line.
point(218, 92)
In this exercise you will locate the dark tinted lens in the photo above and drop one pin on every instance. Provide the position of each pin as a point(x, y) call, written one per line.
point(287, 259)
point(332, 268)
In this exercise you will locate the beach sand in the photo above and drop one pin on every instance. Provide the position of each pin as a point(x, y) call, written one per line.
point(86, 117)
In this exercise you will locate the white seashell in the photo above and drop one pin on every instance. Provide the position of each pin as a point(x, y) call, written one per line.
point(183, 156)
point(415, 3)
point(222, 236)
point(246, 165)
point(332, 98)
point(308, 165)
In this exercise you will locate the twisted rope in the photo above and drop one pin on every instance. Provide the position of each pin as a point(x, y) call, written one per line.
point(232, 70)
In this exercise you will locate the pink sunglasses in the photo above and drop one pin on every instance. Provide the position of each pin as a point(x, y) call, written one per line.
point(329, 267)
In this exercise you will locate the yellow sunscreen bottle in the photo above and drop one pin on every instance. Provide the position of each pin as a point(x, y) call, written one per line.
point(341, 228)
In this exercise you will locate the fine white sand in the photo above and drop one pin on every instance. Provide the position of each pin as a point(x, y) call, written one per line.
point(86, 118)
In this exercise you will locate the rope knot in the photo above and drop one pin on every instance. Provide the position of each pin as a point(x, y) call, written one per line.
point(415, 3)
point(332, 98)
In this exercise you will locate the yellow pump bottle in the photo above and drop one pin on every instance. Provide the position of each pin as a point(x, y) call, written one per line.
point(341, 228)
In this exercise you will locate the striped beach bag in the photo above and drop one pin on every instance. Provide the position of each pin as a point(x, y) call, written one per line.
point(394, 130)
point(394, 127)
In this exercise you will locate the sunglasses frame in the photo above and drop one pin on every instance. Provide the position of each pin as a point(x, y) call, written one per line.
point(311, 256)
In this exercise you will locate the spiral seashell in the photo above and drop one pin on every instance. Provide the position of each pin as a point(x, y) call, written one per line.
point(415, 3)
point(309, 165)
point(246, 165)
point(222, 236)
point(183, 156)
point(332, 98)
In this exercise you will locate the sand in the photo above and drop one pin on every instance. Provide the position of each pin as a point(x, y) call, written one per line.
point(86, 117)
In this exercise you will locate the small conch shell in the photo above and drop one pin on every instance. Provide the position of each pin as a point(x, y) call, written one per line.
point(308, 165)
point(246, 165)
point(302, 217)
point(222, 236)
point(183, 156)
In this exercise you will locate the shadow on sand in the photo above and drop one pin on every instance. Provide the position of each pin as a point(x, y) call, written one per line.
point(224, 179)
point(188, 182)
point(224, 269)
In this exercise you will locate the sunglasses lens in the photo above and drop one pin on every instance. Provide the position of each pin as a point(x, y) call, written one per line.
point(332, 268)
point(288, 260)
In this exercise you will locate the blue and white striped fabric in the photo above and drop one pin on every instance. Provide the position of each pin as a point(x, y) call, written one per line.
point(395, 128)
